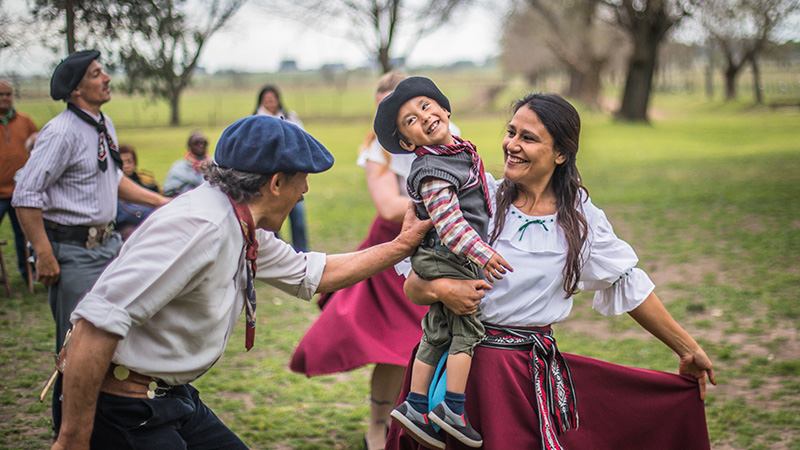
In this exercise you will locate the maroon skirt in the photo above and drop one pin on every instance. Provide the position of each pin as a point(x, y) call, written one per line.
point(369, 322)
point(619, 407)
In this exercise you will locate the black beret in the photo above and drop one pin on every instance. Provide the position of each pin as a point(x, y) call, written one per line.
point(69, 73)
point(263, 144)
point(386, 117)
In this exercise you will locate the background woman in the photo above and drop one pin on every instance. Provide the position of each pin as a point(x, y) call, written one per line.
point(372, 321)
point(558, 241)
point(268, 103)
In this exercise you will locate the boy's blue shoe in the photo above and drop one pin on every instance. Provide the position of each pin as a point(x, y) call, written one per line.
point(456, 425)
point(417, 426)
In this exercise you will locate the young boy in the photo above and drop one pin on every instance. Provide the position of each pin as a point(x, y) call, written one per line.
point(448, 184)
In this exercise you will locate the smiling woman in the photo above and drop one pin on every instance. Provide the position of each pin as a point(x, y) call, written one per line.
point(522, 392)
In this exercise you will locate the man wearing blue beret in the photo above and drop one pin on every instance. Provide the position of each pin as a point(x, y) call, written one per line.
point(162, 313)
point(66, 197)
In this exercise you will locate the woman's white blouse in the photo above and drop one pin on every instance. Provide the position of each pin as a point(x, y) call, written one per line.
point(533, 295)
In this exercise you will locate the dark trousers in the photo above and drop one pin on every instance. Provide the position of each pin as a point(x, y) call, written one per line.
point(297, 219)
point(19, 236)
point(178, 420)
point(80, 268)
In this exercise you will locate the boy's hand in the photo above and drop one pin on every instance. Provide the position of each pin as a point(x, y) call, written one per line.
point(496, 266)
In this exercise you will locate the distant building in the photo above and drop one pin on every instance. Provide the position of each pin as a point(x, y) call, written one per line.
point(333, 68)
point(288, 65)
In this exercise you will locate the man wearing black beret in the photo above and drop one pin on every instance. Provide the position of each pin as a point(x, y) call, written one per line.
point(66, 198)
point(161, 314)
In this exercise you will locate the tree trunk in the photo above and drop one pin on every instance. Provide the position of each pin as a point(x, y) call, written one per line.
point(639, 80)
point(69, 9)
point(575, 83)
point(759, 97)
point(591, 85)
point(383, 59)
point(174, 104)
point(710, 79)
point(730, 82)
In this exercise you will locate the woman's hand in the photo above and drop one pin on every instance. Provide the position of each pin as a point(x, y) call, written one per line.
point(460, 296)
point(697, 365)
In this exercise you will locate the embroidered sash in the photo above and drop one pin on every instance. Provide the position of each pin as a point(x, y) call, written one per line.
point(556, 402)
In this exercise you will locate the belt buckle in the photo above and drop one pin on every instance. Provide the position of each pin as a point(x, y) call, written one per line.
point(93, 239)
point(99, 235)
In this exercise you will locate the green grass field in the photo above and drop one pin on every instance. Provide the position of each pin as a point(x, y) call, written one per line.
point(707, 195)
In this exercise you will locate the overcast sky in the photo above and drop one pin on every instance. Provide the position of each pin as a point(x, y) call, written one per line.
point(257, 41)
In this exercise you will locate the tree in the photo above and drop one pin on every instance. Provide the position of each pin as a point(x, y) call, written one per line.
point(156, 42)
point(92, 18)
point(160, 44)
point(646, 22)
point(372, 24)
point(580, 42)
point(741, 30)
point(18, 30)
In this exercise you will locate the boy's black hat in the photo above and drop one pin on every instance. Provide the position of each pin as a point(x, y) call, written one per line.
point(386, 117)
point(70, 72)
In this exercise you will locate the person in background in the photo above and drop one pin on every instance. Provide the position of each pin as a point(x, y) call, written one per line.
point(66, 197)
point(17, 129)
point(184, 174)
point(268, 103)
point(382, 325)
point(130, 215)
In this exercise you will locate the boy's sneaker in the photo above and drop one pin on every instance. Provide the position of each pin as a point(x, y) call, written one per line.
point(417, 426)
point(457, 425)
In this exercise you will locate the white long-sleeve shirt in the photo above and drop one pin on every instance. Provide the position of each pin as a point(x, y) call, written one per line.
point(177, 288)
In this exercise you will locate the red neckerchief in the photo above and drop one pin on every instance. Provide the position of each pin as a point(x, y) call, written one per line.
point(242, 212)
point(194, 160)
point(477, 175)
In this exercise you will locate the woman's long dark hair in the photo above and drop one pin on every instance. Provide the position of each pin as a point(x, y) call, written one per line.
point(264, 90)
point(564, 125)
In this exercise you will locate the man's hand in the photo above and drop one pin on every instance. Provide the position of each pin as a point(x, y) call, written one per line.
point(47, 269)
point(413, 230)
point(495, 267)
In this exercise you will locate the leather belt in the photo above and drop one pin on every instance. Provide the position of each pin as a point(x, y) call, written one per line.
point(121, 381)
point(88, 236)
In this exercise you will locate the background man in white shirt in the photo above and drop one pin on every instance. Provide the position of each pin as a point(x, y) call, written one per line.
point(161, 314)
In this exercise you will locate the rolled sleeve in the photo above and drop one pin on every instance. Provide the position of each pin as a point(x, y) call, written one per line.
point(103, 315)
point(280, 266)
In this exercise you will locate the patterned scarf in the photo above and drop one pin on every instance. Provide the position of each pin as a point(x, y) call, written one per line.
point(251, 256)
point(477, 176)
point(556, 402)
point(195, 161)
point(103, 135)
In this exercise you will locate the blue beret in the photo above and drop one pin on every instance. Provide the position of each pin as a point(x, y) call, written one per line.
point(263, 144)
point(69, 73)
point(386, 117)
